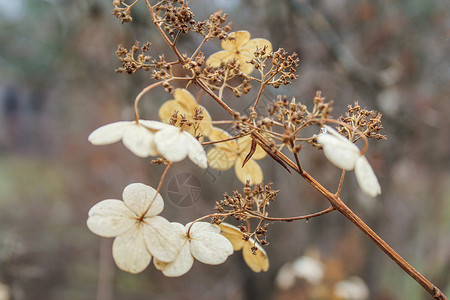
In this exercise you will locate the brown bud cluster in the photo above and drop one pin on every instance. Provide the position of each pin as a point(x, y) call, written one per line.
point(130, 63)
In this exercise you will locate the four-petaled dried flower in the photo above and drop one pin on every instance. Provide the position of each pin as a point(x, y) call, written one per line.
point(185, 104)
point(256, 260)
point(239, 46)
point(138, 230)
point(346, 155)
point(149, 138)
point(201, 241)
point(232, 153)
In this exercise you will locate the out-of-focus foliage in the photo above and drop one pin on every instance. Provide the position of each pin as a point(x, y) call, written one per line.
point(57, 84)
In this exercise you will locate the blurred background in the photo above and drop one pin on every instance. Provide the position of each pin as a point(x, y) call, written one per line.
point(57, 84)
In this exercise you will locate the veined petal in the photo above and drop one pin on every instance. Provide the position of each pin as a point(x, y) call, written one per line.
point(196, 153)
point(233, 234)
point(218, 134)
point(251, 171)
point(109, 133)
point(139, 140)
point(129, 251)
point(139, 198)
point(216, 59)
point(221, 159)
point(210, 248)
point(171, 143)
point(185, 98)
point(199, 227)
point(110, 218)
point(180, 266)
point(167, 109)
point(235, 40)
point(257, 262)
point(163, 239)
point(245, 67)
point(342, 154)
point(249, 48)
point(366, 177)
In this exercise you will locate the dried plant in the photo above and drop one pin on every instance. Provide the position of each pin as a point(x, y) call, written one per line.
point(242, 64)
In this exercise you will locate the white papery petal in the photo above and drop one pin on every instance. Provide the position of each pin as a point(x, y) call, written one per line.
point(210, 248)
point(172, 144)
point(181, 265)
point(109, 133)
point(139, 140)
point(139, 198)
point(366, 177)
point(196, 152)
point(154, 125)
point(163, 240)
point(110, 218)
point(342, 154)
point(129, 251)
point(199, 227)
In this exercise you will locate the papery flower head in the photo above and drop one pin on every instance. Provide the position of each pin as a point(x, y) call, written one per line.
point(346, 155)
point(186, 105)
point(258, 260)
point(203, 242)
point(225, 155)
point(239, 46)
point(150, 138)
point(138, 230)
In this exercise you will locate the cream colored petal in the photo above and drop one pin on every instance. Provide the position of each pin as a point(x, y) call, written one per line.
point(257, 262)
point(109, 133)
point(110, 218)
point(154, 125)
point(139, 140)
point(245, 143)
point(180, 266)
point(196, 153)
point(342, 154)
point(251, 171)
point(366, 177)
point(140, 198)
point(221, 159)
point(185, 98)
point(210, 248)
point(163, 240)
point(171, 143)
point(199, 227)
point(235, 40)
point(233, 234)
point(245, 67)
point(249, 48)
point(216, 59)
point(130, 253)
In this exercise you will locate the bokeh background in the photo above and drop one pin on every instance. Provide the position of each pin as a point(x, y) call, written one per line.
point(57, 84)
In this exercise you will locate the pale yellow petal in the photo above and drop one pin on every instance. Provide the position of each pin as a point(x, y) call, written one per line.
point(221, 159)
point(249, 48)
point(245, 67)
point(257, 262)
point(233, 234)
point(167, 109)
point(218, 134)
point(235, 40)
point(216, 59)
point(251, 171)
point(130, 253)
point(185, 98)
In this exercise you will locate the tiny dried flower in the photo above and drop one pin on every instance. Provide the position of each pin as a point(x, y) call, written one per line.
point(138, 230)
point(239, 46)
point(225, 155)
point(346, 155)
point(204, 243)
point(150, 138)
point(185, 104)
point(256, 260)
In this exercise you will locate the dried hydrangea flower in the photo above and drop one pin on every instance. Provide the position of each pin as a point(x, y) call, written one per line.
point(149, 138)
point(204, 243)
point(186, 105)
point(138, 230)
point(346, 155)
point(239, 46)
point(257, 262)
point(225, 155)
